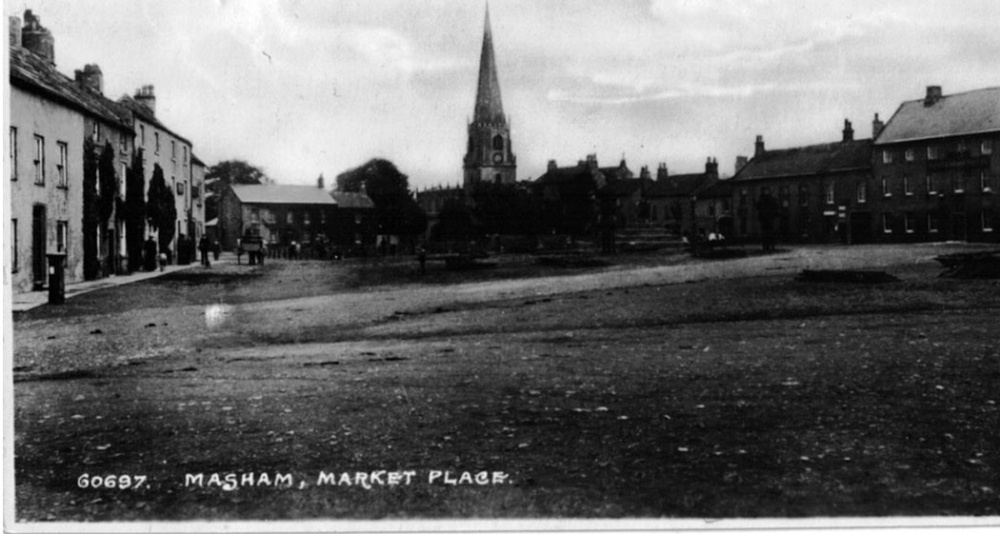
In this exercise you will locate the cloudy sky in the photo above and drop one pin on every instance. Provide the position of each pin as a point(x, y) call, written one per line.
point(303, 87)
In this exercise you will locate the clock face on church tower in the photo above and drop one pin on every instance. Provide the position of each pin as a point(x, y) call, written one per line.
point(497, 158)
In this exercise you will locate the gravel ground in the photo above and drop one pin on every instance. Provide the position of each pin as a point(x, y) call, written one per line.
point(699, 389)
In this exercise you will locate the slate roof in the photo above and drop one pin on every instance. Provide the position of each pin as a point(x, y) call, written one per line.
point(352, 200)
point(678, 185)
point(35, 74)
point(282, 194)
point(144, 113)
point(959, 114)
point(808, 160)
point(564, 175)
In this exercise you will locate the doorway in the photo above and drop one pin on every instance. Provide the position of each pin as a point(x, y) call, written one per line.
point(39, 238)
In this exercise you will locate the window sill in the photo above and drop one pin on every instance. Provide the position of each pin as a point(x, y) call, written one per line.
point(987, 230)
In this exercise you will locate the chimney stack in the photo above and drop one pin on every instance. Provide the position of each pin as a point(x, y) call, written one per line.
point(37, 38)
point(848, 131)
point(712, 167)
point(319, 182)
point(741, 161)
point(145, 96)
point(644, 173)
point(552, 165)
point(661, 172)
point(877, 127)
point(758, 148)
point(91, 78)
point(14, 25)
point(933, 95)
point(592, 161)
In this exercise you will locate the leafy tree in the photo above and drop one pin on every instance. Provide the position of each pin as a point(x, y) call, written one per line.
point(396, 211)
point(506, 209)
point(108, 191)
point(455, 222)
point(161, 210)
point(91, 212)
point(225, 173)
point(134, 211)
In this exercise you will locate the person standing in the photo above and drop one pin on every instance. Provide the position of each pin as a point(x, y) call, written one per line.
point(149, 252)
point(203, 247)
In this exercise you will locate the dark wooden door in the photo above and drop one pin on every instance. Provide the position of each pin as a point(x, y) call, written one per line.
point(38, 243)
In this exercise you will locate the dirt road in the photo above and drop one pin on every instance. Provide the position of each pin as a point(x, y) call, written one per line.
point(618, 393)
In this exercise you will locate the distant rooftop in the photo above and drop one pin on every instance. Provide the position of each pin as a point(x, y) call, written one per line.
point(349, 200)
point(282, 194)
point(944, 116)
point(808, 160)
point(37, 74)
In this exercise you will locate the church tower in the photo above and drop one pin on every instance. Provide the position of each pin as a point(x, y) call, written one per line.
point(489, 157)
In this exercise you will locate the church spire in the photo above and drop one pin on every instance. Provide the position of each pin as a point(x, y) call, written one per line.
point(489, 108)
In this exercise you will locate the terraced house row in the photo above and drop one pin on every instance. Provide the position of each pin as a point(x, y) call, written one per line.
point(932, 172)
point(72, 155)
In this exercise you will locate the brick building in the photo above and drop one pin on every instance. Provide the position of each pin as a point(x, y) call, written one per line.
point(353, 221)
point(671, 198)
point(304, 214)
point(819, 193)
point(936, 169)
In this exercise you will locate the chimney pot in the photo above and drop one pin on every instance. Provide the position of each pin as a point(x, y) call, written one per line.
point(877, 127)
point(14, 25)
point(37, 38)
point(933, 95)
point(848, 131)
point(741, 161)
point(145, 96)
point(552, 165)
point(661, 172)
point(91, 78)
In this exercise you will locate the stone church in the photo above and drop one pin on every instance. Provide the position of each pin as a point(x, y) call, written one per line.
point(490, 157)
